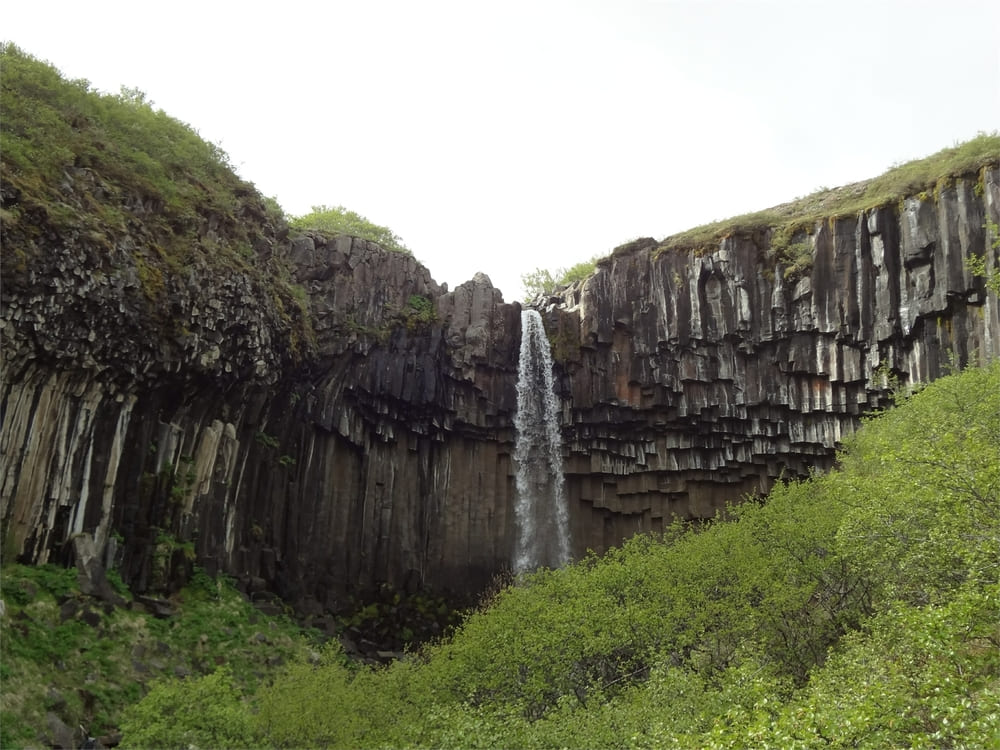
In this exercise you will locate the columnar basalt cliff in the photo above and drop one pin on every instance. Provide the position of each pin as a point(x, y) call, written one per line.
point(204, 419)
point(690, 380)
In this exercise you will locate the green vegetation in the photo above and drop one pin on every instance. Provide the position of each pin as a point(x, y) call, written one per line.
point(338, 220)
point(88, 661)
point(977, 263)
point(925, 177)
point(854, 609)
point(542, 281)
point(416, 314)
point(787, 230)
point(419, 312)
point(79, 162)
point(206, 711)
point(125, 187)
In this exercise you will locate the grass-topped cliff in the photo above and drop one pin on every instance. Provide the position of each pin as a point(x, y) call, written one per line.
point(921, 177)
point(138, 201)
point(783, 228)
point(77, 162)
point(134, 199)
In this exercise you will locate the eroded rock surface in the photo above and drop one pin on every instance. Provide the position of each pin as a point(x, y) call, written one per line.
point(693, 380)
point(380, 450)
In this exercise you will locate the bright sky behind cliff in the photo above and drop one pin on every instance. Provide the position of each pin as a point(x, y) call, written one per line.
point(506, 136)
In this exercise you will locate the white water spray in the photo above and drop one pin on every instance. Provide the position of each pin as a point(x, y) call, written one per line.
point(540, 511)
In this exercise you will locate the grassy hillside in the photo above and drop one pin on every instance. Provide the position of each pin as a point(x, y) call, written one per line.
point(85, 661)
point(127, 191)
point(80, 163)
point(855, 609)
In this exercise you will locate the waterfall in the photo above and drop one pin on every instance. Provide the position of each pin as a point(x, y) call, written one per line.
point(540, 511)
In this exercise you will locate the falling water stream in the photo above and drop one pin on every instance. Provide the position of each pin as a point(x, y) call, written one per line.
point(540, 511)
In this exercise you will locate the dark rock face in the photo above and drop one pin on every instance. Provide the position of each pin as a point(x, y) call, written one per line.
point(383, 454)
point(694, 380)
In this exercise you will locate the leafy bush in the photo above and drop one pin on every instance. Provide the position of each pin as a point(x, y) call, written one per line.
point(924, 515)
point(339, 220)
point(419, 312)
point(912, 677)
point(203, 712)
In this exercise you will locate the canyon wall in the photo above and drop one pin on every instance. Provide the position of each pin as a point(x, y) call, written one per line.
point(378, 449)
point(692, 380)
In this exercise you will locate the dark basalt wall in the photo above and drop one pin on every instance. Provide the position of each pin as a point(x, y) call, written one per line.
point(691, 380)
point(385, 454)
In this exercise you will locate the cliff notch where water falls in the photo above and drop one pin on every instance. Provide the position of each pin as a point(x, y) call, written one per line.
point(314, 415)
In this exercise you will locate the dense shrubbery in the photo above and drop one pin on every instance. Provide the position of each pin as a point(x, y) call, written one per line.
point(855, 609)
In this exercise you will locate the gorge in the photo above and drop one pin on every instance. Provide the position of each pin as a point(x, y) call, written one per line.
point(315, 415)
point(685, 380)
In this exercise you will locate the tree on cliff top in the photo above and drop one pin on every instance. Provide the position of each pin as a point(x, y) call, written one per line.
point(338, 220)
point(544, 281)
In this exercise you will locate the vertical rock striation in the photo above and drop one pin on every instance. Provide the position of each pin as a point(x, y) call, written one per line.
point(691, 380)
point(381, 451)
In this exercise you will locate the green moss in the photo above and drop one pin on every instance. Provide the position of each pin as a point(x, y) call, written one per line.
point(150, 278)
point(418, 313)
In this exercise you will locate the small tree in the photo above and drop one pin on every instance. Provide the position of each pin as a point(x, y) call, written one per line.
point(202, 712)
point(543, 281)
point(538, 282)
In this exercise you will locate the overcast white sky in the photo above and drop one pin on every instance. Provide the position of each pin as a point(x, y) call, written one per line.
point(509, 135)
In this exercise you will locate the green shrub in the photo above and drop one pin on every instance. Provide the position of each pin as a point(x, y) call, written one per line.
point(419, 312)
point(923, 479)
point(912, 677)
point(542, 281)
point(206, 712)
